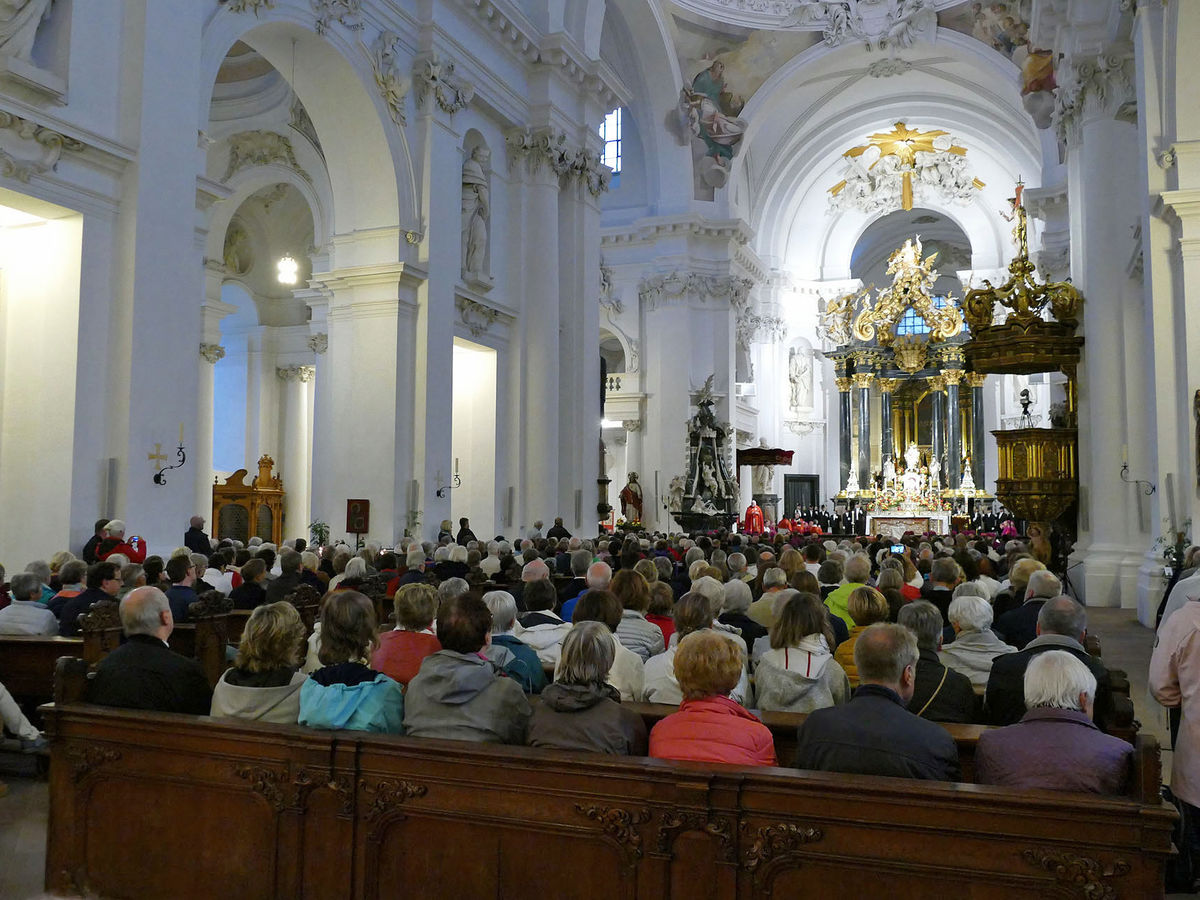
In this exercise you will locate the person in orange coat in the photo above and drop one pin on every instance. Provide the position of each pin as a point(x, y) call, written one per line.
point(401, 651)
point(709, 726)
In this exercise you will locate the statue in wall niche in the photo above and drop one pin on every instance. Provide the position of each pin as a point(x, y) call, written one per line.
point(476, 209)
point(239, 255)
point(675, 494)
point(800, 378)
point(19, 21)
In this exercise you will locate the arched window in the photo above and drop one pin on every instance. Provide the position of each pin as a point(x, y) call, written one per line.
point(610, 133)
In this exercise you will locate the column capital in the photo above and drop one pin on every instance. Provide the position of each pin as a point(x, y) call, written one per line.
point(862, 380)
point(937, 383)
point(632, 424)
point(212, 352)
point(843, 384)
point(976, 379)
point(319, 343)
point(952, 356)
point(888, 385)
point(1094, 86)
point(287, 373)
point(953, 376)
point(306, 373)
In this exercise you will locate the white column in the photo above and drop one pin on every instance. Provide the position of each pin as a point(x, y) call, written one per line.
point(203, 452)
point(294, 467)
point(159, 209)
point(1104, 208)
point(540, 316)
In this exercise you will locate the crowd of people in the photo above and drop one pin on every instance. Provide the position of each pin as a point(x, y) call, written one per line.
point(542, 640)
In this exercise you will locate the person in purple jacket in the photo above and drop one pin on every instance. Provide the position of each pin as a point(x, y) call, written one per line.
point(1055, 746)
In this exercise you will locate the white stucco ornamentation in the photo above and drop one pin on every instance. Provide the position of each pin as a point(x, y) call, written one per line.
point(260, 148)
point(318, 343)
point(436, 81)
point(347, 13)
point(680, 286)
point(28, 149)
point(212, 352)
point(254, 6)
point(19, 24)
point(1092, 85)
point(478, 318)
point(392, 83)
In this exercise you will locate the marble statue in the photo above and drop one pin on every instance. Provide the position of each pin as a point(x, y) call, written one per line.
point(889, 471)
point(935, 474)
point(19, 21)
point(476, 208)
point(800, 378)
point(852, 479)
point(912, 457)
point(967, 485)
point(675, 494)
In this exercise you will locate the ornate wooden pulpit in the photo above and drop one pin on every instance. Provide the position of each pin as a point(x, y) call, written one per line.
point(241, 511)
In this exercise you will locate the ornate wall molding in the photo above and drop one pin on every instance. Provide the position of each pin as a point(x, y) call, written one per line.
point(254, 6)
point(478, 317)
point(260, 148)
point(886, 68)
point(767, 329)
point(679, 286)
point(392, 83)
point(437, 82)
point(28, 149)
point(539, 148)
point(803, 427)
point(1092, 86)
point(319, 343)
point(347, 13)
point(212, 352)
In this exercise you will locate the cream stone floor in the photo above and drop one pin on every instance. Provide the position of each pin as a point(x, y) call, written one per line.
point(24, 811)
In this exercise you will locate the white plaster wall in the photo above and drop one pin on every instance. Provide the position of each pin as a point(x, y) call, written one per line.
point(39, 316)
point(474, 437)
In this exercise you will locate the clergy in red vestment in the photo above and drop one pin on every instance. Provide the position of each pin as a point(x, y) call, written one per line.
point(753, 519)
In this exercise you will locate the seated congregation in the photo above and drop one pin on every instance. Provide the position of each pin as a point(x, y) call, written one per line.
point(547, 644)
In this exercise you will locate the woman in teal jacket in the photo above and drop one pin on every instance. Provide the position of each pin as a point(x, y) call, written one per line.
point(345, 693)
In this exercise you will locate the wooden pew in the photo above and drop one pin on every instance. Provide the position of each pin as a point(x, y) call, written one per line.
point(27, 664)
point(347, 814)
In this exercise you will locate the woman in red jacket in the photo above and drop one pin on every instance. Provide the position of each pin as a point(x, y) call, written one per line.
point(710, 727)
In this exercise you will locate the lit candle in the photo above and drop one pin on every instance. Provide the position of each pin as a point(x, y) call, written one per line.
point(1124, 454)
point(1020, 189)
point(181, 432)
point(456, 465)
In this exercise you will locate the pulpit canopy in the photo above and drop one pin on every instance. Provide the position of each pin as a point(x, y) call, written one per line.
point(764, 456)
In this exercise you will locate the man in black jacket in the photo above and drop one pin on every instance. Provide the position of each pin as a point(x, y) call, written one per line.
point(874, 734)
point(1061, 625)
point(144, 672)
point(195, 539)
point(940, 694)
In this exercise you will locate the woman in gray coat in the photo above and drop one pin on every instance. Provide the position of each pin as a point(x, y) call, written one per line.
point(580, 711)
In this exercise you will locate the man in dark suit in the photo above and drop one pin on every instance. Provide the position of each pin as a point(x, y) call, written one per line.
point(940, 694)
point(1061, 625)
point(195, 539)
point(181, 594)
point(289, 576)
point(103, 583)
point(1019, 626)
point(875, 734)
point(145, 673)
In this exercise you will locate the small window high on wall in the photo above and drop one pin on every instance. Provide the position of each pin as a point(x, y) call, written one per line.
point(610, 133)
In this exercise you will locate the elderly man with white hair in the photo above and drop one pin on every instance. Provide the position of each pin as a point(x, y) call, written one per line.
point(514, 656)
point(1019, 626)
point(1055, 746)
point(975, 644)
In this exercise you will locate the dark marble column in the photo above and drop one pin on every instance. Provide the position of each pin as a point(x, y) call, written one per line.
point(844, 429)
point(975, 381)
point(862, 384)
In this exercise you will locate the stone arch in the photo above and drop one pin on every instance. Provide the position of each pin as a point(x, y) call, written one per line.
point(370, 170)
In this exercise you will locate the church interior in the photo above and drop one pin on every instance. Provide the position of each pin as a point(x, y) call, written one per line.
point(352, 270)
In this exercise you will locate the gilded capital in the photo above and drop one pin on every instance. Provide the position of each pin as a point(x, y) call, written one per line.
point(843, 384)
point(888, 385)
point(937, 383)
point(953, 376)
point(976, 379)
point(862, 380)
point(952, 355)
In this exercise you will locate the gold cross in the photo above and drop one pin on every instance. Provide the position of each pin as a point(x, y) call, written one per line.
point(157, 457)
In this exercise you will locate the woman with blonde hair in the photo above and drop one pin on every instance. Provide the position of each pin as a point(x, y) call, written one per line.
point(264, 683)
point(711, 727)
point(866, 607)
point(799, 673)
